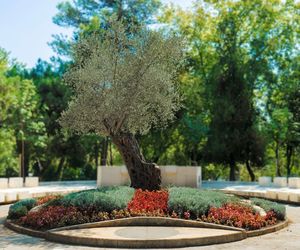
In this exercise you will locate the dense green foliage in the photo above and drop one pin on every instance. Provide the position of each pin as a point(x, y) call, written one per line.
point(239, 65)
point(115, 65)
point(196, 201)
point(21, 123)
point(279, 209)
point(21, 208)
point(104, 199)
point(240, 117)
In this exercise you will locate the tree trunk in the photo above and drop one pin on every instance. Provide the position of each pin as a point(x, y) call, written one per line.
point(250, 171)
point(59, 172)
point(289, 154)
point(232, 169)
point(278, 173)
point(142, 174)
point(96, 153)
point(111, 160)
point(23, 160)
point(26, 158)
point(104, 148)
point(194, 157)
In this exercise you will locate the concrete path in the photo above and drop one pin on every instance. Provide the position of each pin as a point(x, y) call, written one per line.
point(250, 188)
point(9, 195)
point(245, 186)
point(149, 233)
point(288, 238)
point(145, 236)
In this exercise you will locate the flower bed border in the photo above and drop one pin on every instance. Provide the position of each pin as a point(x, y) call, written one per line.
point(240, 234)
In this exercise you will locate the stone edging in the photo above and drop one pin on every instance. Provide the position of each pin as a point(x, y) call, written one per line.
point(267, 230)
point(144, 243)
point(24, 230)
point(53, 235)
point(149, 221)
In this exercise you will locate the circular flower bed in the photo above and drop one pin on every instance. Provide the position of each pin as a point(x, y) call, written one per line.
point(108, 203)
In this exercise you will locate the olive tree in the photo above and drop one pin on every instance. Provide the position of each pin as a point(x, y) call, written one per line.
point(123, 81)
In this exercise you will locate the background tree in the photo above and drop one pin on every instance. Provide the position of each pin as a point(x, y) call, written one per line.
point(19, 114)
point(8, 158)
point(293, 141)
point(228, 43)
point(92, 15)
point(123, 85)
point(283, 107)
point(27, 122)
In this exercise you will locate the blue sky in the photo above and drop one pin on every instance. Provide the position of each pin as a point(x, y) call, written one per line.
point(26, 27)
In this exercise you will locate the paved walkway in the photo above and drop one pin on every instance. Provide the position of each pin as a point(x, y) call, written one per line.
point(288, 238)
point(250, 188)
point(53, 187)
point(45, 188)
point(245, 186)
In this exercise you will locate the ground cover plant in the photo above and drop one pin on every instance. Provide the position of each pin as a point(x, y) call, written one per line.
point(268, 206)
point(21, 208)
point(197, 202)
point(108, 203)
point(239, 215)
point(104, 199)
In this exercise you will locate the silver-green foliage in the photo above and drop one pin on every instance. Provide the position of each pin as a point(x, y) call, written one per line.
point(123, 81)
point(104, 199)
point(267, 205)
point(21, 208)
point(197, 202)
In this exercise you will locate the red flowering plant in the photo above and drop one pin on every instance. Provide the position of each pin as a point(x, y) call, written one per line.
point(239, 215)
point(59, 216)
point(149, 203)
point(48, 217)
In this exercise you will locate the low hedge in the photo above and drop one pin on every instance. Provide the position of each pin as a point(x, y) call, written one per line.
point(267, 205)
point(104, 199)
point(21, 208)
point(197, 202)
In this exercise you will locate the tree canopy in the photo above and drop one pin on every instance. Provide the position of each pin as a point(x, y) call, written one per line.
point(123, 83)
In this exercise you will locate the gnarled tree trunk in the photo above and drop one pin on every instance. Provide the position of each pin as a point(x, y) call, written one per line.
point(250, 171)
point(142, 174)
point(232, 168)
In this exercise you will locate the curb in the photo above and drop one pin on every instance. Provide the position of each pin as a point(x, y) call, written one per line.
point(157, 243)
point(149, 221)
point(55, 236)
point(267, 230)
point(24, 230)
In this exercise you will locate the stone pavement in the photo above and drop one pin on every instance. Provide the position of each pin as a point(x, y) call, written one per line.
point(8, 195)
point(155, 236)
point(250, 188)
point(288, 238)
point(245, 186)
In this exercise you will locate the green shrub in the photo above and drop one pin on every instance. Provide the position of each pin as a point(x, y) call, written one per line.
point(270, 206)
point(197, 202)
point(104, 199)
point(21, 208)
